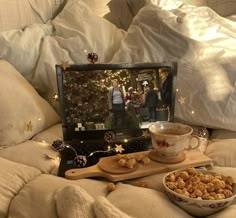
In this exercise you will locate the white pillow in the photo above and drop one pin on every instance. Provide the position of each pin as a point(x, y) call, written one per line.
point(144, 202)
point(21, 48)
point(49, 135)
point(23, 113)
point(14, 177)
point(37, 198)
point(206, 62)
point(78, 32)
point(15, 14)
point(47, 9)
point(222, 152)
point(33, 153)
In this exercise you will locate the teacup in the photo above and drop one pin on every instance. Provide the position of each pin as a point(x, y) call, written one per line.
point(171, 139)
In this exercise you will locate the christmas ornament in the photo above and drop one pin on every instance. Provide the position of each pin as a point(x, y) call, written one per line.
point(65, 64)
point(80, 161)
point(145, 134)
point(119, 148)
point(58, 145)
point(203, 132)
point(109, 136)
point(92, 57)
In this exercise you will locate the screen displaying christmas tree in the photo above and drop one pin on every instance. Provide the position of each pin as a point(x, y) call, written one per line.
point(110, 99)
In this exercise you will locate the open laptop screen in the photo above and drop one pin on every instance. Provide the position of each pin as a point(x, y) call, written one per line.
point(119, 98)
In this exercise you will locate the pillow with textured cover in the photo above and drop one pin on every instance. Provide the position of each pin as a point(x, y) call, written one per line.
point(14, 177)
point(204, 46)
point(23, 113)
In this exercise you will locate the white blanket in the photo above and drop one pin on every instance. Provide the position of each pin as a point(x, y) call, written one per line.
point(202, 42)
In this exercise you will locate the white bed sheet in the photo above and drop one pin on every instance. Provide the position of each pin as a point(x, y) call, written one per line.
point(206, 65)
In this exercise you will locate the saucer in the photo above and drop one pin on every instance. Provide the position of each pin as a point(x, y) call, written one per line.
point(155, 156)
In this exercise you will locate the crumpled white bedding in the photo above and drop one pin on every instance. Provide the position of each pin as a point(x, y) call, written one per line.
point(202, 42)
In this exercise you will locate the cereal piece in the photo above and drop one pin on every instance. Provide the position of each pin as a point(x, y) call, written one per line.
point(179, 191)
point(218, 183)
point(229, 180)
point(205, 196)
point(190, 188)
point(171, 185)
point(180, 183)
point(212, 194)
point(145, 160)
point(119, 156)
point(210, 187)
point(199, 174)
point(196, 193)
point(111, 187)
point(227, 193)
point(184, 175)
point(194, 180)
point(128, 157)
point(202, 187)
point(130, 163)
point(122, 162)
point(192, 171)
point(170, 177)
point(133, 161)
point(142, 184)
point(219, 196)
point(220, 191)
point(139, 157)
point(185, 192)
point(205, 178)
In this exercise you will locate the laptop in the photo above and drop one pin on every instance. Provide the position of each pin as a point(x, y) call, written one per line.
point(109, 106)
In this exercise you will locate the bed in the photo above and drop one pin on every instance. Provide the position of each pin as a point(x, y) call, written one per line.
point(37, 34)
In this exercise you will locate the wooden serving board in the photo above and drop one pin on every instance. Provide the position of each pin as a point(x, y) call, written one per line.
point(114, 173)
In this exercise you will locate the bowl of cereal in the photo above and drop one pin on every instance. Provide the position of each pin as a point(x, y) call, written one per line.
point(199, 192)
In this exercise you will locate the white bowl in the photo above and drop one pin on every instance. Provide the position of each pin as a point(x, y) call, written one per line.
point(198, 207)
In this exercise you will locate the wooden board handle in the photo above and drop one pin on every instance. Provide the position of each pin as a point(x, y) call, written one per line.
point(81, 173)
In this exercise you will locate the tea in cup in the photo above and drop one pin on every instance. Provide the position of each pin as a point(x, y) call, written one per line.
point(171, 139)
